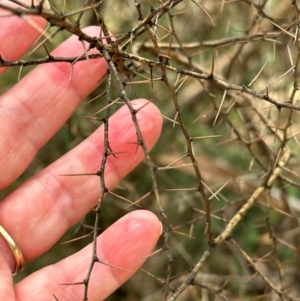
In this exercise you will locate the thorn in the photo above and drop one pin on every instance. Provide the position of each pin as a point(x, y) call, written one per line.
point(215, 193)
point(140, 108)
point(72, 283)
point(182, 234)
point(267, 92)
point(177, 79)
point(151, 75)
point(71, 74)
point(205, 11)
point(116, 153)
point(55, 297)
point(47, 38)
point(170, 47)
point(107, 106)
point(288, 33)
point(91, 100)
point(278, 79)
point(175, 117)
point(75, 239)
point(175, 166)
point(79, 174)
point(137, 147)
point(160, 280)
point(154, 253)
point(222, 5)
point(259, 72)
point(212, 215)
point(173, 121)
point(87, 58)
point(43, 4)
point(212, 65)
point(92, 118)
point(81, 10)
point(177, 160)
point(110, 152)
point(218, 113)
point(114, 266)
point(182, 82)
point(122, 198)
point(205, 137)
point(138, 143)
point(205, 230)
point(19, 74)
point(140, 199)
point(207, 187)
point(37, 27)
point(226, 281)
point(183, 189)
point(47, 51)
point(165, 57)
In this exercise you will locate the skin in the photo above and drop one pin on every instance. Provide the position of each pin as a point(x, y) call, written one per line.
point(39, 212)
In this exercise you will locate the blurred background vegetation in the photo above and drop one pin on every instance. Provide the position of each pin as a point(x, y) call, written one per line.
point(243, 40)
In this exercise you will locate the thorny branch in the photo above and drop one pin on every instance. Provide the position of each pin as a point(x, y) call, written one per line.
point(233, 85)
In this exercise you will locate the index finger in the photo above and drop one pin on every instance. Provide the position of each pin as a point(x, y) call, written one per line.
point(17, 34)
point(36, 107)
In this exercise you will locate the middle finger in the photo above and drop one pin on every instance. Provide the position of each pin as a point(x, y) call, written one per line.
point(39, 212)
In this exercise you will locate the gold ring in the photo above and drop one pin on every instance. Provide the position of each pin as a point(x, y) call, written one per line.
point(19, 258)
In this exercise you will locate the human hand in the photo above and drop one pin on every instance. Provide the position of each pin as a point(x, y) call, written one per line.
point(39, 212)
